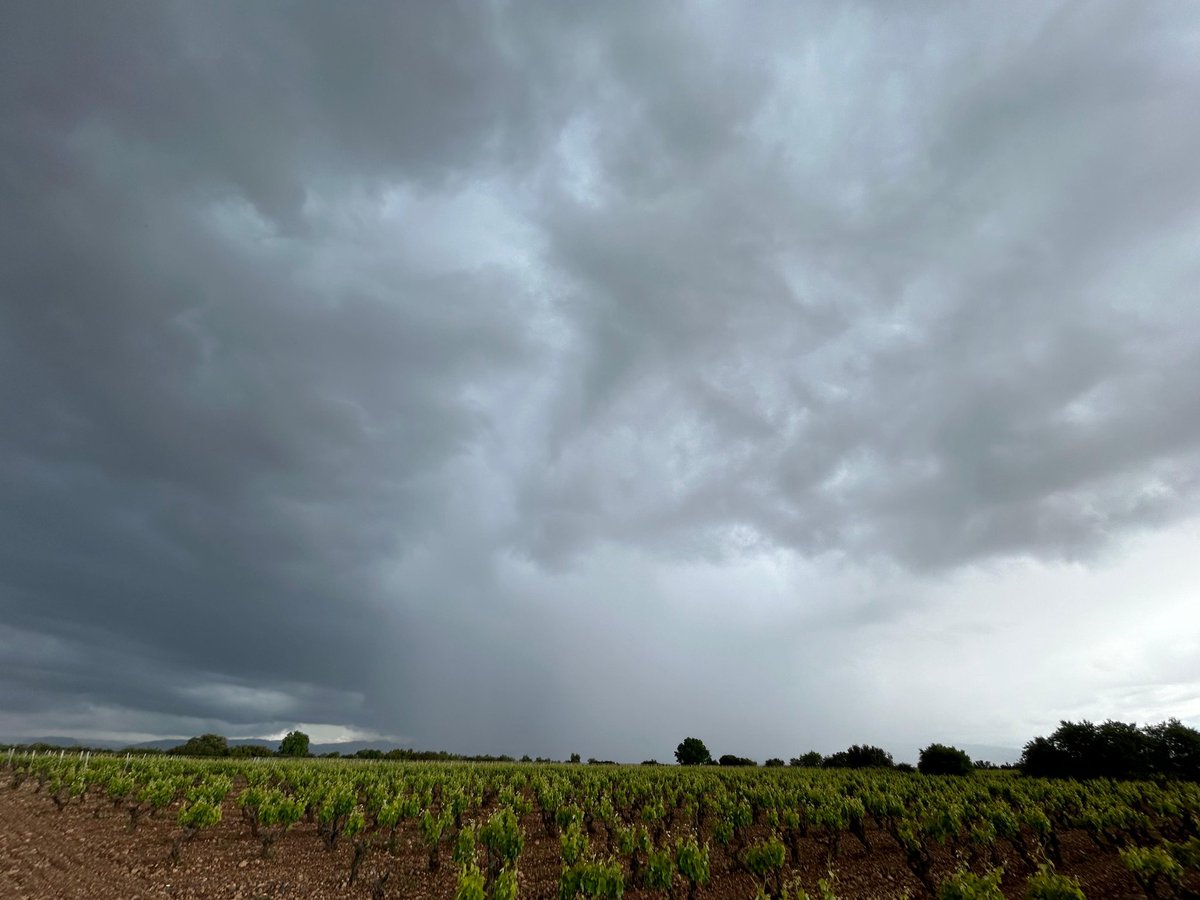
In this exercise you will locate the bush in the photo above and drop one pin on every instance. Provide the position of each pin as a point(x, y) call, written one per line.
point(203, 745)
point(592, 878)
point(730, 760)
point(502, 838)
point(692, 862)
point(859, 757)
point(773, 762)
point(1152, 865)
point(243, 751)
point(812, 759)
point(963, 885)
point(470, 884)
point(1047, 884)
point(938, 759)
point(765, 861)
point(692, 752)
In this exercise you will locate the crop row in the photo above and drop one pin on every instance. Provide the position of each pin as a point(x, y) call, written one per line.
point(659, 829)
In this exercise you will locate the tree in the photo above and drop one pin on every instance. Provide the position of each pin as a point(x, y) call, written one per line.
point(859, 757)
point(575, 758)
point(203, 745)
point(811, 759)
point(692, 752)
point(245, 751)
point(294, 744)
point(1173, 749)
point(938, 759)
point(730, 759)
point(1114, 750)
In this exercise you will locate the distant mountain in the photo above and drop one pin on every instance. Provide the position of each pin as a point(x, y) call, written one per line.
point(58, 741)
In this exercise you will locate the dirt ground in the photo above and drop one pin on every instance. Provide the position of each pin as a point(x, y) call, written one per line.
point(87, 851)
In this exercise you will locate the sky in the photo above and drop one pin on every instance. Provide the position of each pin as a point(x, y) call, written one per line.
point(523, 377)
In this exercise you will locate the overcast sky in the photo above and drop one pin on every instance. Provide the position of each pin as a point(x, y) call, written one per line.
point(560, 377)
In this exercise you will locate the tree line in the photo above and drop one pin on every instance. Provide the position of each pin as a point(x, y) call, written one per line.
point(1078, 750)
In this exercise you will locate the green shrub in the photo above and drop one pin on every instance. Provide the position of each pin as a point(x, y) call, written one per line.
point(464, 847)
point(859, 757)
point(965, 885)
point(730, 760)
point(277, 812)
point(470, 884)
point(765, 857)
point(203, 745)
point(938, 759)
point(192, 818)
point(574, 844)
point(505, 885)
point(765, 861)
point(501, 836)
point(660, 870)
point(692, 861)
point(1152, 865)
point(1047, 884)
point(592, 878)
point(812, 759)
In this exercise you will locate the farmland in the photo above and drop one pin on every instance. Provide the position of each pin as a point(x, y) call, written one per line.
point(85, 825)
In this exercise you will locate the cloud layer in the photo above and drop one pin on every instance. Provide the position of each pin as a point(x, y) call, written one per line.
point(529, 378)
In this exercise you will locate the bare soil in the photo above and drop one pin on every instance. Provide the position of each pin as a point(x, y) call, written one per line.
point(87, 850)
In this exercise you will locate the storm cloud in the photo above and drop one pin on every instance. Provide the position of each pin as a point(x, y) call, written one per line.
point(521, 377)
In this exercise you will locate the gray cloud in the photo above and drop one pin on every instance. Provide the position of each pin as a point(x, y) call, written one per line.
point(530, 378)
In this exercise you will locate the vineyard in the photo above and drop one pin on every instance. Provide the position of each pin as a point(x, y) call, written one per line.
point(157, 826)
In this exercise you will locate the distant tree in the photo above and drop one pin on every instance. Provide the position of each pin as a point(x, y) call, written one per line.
point(812, 759)
point(295, 743)
point(859, 757)
point(249, 750)
point(1114, 750)
point(730, 760)
point(1122, 750)
point(1173, 749)
point(692, 752)
point(203, 745)
point(773, 762)
point(938, 759)
point(1043, 758)
point(649, 762)
point(575, 757)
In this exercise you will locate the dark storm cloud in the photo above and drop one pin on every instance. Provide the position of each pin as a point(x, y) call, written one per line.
point(402, 368)
point(205, 456)
point(947, 361)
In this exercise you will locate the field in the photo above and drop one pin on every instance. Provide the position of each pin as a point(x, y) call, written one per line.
point(101, 826)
